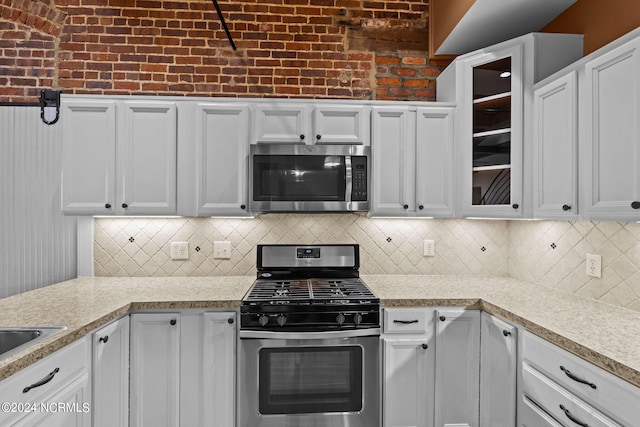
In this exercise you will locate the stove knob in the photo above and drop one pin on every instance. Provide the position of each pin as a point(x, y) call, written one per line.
point(263, 320)
point(340, 319)
point(357, 319)
point(282, 319)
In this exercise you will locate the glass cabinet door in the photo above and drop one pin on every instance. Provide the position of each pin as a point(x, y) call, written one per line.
point(491, 169)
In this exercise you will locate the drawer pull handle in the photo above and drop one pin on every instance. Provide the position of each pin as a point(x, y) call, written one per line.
point(42, 381)
point(576, 379)
point(572, 418)
point(405, 322)
point(506, 333)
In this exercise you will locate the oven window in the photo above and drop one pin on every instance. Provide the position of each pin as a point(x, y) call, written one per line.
point(299, 178)
point(308, 380)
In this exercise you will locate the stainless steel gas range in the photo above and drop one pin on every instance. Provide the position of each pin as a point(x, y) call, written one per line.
point(309, 341)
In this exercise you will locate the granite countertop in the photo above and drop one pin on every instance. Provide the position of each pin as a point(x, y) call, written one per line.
point(602, 334)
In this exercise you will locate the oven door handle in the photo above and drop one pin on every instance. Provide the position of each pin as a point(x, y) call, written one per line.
point(354, 333)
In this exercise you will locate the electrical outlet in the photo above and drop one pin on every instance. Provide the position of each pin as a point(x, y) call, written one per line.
point(221, 250)
point(594, 265)
point(429, 248)
point(179, 250)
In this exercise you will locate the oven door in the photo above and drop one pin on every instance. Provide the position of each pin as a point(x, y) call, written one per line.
point(287, 178)
point(321, 382)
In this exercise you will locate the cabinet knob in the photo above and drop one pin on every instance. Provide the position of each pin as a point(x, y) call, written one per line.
point(318, 137)
point(421, 207)
point(104, 339)
point(515, 206)
point(172, 322)
point(125, 206)
point(566, 208)
point(230, 320)
point(107, 206)
point(506, 333)
point(243, 207)
point(635, 205)
point(425, 346)
point(301, 137)
point(442, 318)
point(405, 206)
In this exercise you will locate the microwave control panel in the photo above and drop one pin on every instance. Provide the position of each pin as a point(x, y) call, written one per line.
point(359, 179)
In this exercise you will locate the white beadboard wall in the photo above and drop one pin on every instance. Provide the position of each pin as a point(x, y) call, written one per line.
point(37, 243)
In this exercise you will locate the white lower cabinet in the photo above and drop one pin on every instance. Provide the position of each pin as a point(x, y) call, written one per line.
point(110, 406)
point(183, 369)
point(155, 364)
point(408, 371)
point(53, 392)
point(457, 385)
point(571, 390)
point(498, 370)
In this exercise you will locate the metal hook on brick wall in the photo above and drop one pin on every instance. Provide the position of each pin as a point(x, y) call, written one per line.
point(49, 106)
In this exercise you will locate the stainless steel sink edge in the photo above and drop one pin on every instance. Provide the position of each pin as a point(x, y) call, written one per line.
point(16, 339)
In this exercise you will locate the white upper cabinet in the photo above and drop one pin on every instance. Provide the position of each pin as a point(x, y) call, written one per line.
point(282, 124)
point(493, 88)
point(434, 162)
point(337, 124)
point(555, 149)
point(285, 123)
point(393, 158)
point(222, 147)
point(88, 156)
point(412, 151)
point(119, 157)
point(610, 134)
point(146, 161)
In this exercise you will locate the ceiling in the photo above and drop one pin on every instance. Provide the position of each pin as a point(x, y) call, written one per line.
point(488, 22)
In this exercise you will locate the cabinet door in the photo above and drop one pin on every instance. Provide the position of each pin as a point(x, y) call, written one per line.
point(155, 367)
point(393, 153)
point(611, 134)
point(88, 157)
point(555, 149)
point(457, 384)
point(111, 375)
point(222, 144)
point(498, 370)
point(282, 124)
point(408, 382)
point(491, 134)
point(434, 162)
point(147, 159)
point(333, 124)
point(219, 368)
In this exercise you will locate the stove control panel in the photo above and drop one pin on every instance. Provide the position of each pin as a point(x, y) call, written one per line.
point(307, 253)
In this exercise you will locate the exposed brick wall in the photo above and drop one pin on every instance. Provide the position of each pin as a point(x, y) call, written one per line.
point(362, 49)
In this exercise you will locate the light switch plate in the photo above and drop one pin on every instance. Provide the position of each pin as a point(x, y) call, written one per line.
point(221, 250)
point(179, 250)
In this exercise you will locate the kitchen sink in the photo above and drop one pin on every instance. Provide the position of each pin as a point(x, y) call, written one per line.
point(12, 340)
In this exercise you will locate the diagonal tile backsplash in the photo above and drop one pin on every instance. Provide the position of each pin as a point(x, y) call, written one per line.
point(141, 246)
point(549, 253)
point(552, 253)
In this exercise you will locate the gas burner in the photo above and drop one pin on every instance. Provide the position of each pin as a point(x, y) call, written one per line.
point(296, 292)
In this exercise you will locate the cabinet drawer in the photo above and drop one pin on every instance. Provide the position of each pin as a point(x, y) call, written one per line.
point(64, 366)
point(405, 321)
point(532, 416)
point(558, 402)
point(610, 394)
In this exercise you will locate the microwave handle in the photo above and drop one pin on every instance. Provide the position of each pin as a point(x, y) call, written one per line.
point(348, 179)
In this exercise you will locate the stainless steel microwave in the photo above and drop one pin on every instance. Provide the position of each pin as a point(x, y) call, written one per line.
point(309, 178)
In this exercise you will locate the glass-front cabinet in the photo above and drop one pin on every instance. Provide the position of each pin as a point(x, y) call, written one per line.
point(491, 169)
point(493, 91)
